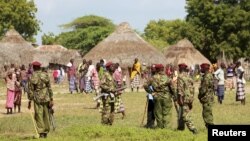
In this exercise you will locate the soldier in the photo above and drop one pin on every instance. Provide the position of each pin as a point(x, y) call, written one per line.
point(107, 85)
point(41, 93)
point(162, 87)
point(185, 96)
point(150, 109)
point(206, 94)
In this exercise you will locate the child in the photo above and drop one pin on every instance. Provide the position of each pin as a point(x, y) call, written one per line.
point(18, 94)
point(10, 81)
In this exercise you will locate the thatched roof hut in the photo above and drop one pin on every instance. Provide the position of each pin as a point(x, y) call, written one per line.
point(14, 49)
point(123, 46)
point(184, 52)
point(54, 54)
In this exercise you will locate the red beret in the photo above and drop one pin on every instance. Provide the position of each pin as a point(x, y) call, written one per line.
point(159, 66)
point(183, 66)
point(205, 66)
point(108, 64)
point(36, 63)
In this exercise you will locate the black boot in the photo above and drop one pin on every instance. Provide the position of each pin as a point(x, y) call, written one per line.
point(132, 89)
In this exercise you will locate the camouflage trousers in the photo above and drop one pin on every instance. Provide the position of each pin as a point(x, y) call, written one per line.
point(107, 111)
point(185, 118)
point(42, 117)
point(207, 113)
point(162, 111)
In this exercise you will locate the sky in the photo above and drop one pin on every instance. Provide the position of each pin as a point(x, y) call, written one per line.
point(52, 13)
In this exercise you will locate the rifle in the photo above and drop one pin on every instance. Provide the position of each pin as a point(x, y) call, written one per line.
point(51, 118)
point(106, 94)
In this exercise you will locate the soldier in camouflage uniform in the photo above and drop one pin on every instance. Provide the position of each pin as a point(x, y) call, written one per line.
point(107, 106)
point(206, 94)
point(41, 93)
point(162, 87)
point(185, 96)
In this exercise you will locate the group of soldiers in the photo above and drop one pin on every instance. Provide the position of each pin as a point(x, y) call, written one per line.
point(162, 90)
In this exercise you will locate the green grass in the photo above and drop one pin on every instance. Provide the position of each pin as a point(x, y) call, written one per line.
point(77, 120)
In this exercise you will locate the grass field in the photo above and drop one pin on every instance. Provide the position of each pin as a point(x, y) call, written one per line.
point(76, 119)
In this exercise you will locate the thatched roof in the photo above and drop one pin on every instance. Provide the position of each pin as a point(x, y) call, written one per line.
point(14, 49)
point(123, 46)
point(55, 54)
point(51, 48)
point(184, 52)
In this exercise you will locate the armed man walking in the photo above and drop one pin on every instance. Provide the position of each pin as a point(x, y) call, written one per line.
point(41, 93)
point(206, 94)
point(162, 87)
point(185, 97)
point(107, 106)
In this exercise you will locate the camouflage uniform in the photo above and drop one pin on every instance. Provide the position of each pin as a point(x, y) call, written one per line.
point(41, 93)
point(206, 97)
point(185, 93)
point(162, 99)
point(107, 106)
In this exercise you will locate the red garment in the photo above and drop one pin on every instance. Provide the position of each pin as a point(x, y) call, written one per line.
point(168, 71)
point(72, 71)
point(55, 73)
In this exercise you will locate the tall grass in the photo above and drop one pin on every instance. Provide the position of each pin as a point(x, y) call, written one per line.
point(76, 119)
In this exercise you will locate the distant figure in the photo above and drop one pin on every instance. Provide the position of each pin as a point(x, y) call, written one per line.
point(72, 77)
point(56, 75)
point(219, 75)
point(18, 94)
point(61, 74)
point(135, 75)
point(230, 77)
point(10, 84)
point(30, 71)
point(240, 91)
point(24, 79)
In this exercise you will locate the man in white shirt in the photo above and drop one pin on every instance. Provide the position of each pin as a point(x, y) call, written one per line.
point(219, 75)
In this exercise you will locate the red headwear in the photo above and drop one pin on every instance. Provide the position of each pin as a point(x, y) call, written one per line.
point(108, 64)
point(182, 66)
point(159, 66)
point(205, 66)
point(36, 63)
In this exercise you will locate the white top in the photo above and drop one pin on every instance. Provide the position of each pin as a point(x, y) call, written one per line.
point(219, 75)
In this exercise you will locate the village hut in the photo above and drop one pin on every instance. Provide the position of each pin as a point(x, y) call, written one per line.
point(14, 49)
point(54, 55)
point(123, 46)
point(184, 52)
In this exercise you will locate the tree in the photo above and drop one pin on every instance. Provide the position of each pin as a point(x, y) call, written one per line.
point(19, 14)
point(85, 32)
point(223, 26)
point(162, 33)
point(48, 39)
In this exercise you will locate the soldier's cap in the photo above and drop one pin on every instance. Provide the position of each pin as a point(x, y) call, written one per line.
point(159, 66)
point(36, 63)
point(205, 66)
point(182, 66)
point(108, 64)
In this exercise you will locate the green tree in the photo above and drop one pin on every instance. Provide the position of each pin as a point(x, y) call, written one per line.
point(48, 39)
point(85, 32)
point(223, 25)
point(19, 14)
point(162, 33)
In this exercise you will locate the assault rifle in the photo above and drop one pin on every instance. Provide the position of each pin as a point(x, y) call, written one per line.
point(106, 94)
